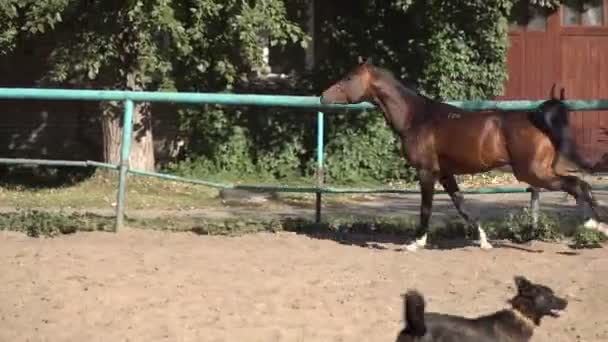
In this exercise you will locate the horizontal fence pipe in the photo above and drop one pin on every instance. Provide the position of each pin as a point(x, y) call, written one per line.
point(180, 179)
point(309, 102)
point(326, 190)
point(78, 163)
point(104, 165)
point(525, 105)
point(276, 188)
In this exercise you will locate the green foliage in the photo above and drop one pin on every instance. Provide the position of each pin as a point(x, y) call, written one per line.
point(451, 49)
point(150, 44)
point(224, 40)
point(464, 47)
point(47, 224)
point(513, 226)
point(380, 29)
point(587, 238)
point(366, 152)
point(8, 26)
point(255, 142)
point(28, 17)
point(231, 155)
point(517, 226)
point(186, 45)
point(281, 161)
point(551, 4)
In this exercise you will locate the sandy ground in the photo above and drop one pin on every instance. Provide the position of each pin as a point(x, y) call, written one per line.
point(156, 286)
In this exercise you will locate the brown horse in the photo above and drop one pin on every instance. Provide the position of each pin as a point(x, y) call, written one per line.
point(441, 141)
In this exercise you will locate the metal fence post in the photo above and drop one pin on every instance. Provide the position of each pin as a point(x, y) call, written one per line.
point(320, 168)
point(125, 152)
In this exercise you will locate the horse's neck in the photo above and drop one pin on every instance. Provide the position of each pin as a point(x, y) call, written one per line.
point(398, 110)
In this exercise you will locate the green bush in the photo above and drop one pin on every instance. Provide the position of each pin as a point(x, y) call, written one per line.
point(367, 152)
point(448, 49)
point(587, 238)
point(517, 226)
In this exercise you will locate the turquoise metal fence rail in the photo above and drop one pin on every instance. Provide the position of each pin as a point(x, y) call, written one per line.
point(306, 102)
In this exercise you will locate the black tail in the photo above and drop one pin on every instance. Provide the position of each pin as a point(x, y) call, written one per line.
point(414, 313)
point(552, 118)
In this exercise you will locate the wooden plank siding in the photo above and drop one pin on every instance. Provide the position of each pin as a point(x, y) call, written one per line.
point(572, 56)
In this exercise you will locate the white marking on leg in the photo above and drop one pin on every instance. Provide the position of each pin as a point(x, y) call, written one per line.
point(535, 206)
point(483, 238)
point(591, 224)
point(414, 246)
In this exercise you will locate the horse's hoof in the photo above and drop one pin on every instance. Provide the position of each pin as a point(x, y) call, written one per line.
point(417, 244)
point(591, 224)
point(485, 245)
point(412, 247)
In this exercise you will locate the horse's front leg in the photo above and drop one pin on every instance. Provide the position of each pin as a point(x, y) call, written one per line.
point(451, 187)
point(427, 184)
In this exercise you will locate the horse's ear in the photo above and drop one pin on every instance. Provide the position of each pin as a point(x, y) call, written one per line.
point(562, 94)
point(553, 92)
point(522, 283)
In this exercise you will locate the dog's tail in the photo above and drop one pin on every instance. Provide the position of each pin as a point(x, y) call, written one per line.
point(414, 313)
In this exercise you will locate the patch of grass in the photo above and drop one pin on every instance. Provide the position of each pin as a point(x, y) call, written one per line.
point(99, 192)
point(518, 226)
point(37, 223)
point(587, 238)
point(229, 227)
point(515, 226)
point(234, 227)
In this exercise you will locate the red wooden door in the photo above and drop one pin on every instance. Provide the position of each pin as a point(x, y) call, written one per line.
point(531, 63)
point(584, 62)
point(568, 47)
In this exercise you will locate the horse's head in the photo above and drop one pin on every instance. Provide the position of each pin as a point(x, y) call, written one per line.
point(353, 88)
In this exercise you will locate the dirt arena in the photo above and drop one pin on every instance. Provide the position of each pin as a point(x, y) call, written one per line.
point(155, 286)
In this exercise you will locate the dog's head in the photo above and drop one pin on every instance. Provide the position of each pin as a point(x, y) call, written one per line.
point(535, 301)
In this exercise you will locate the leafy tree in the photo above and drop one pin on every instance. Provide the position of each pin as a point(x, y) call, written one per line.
point(463, 45)
point(148, 45)
point(449, 49)
point(27, 17)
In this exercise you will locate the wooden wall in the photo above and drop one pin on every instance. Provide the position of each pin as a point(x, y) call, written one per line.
point(555, 47)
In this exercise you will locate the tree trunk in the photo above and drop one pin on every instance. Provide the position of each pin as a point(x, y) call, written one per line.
point(142, 147)
point(142, 144)
point(111, 126)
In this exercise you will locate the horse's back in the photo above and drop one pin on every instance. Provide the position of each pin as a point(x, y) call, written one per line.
point(469, 142)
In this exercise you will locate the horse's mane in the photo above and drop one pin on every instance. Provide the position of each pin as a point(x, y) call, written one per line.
point(408, 89)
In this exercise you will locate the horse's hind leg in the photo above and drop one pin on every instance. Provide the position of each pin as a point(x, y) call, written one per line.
point(427, 184)
point(534, 205)
point(451, 187)
point(581, 191)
